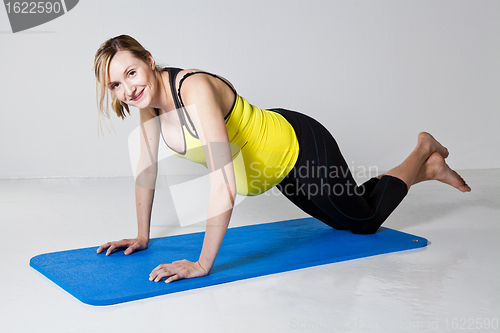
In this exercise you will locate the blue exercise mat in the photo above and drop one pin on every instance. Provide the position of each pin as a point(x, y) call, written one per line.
point(246, 252)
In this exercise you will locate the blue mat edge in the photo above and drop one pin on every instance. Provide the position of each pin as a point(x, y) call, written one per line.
point(419, 243)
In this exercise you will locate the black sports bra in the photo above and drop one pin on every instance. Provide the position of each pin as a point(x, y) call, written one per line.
point(179, 104)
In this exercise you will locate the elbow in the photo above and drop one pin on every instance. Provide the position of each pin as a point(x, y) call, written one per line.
point(225, 192)
point(146, 178)
point(147, 170)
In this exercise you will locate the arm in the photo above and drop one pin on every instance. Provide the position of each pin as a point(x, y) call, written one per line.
point(147, 170)
point(221, 203)
point(144, 186)
point(203, 102)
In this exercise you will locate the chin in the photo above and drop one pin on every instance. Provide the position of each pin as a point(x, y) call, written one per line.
point(143, 103)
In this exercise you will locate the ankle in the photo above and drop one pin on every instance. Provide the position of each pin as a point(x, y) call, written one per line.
point(424, 149)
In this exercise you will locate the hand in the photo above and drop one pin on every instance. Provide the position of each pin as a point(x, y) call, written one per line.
point(178, 270)
point(134, 244)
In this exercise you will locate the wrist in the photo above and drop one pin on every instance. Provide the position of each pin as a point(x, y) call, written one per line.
point(205, 265)
point(142, 237)
point(198, 262)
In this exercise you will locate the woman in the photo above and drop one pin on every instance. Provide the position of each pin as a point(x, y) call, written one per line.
point(247, 151)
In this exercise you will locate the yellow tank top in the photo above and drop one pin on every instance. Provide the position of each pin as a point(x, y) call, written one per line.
point(264, 146)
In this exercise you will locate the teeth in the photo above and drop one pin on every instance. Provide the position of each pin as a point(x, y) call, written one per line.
point(135, 97)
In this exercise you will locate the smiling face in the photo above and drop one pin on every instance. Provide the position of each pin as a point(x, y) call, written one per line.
point(132, 80)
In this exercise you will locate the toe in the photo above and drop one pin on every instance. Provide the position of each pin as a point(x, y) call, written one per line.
point(445, 152)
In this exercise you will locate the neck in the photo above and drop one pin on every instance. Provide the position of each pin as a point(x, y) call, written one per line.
point(162, 99)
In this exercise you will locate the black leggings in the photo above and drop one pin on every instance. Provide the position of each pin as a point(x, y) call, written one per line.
point(322, 185)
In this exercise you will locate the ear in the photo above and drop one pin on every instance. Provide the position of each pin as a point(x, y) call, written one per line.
point(152, 62)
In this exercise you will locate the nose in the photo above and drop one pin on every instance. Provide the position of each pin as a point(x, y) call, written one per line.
point(129, 91)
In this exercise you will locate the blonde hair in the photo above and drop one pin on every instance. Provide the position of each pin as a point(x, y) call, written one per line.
point(102, 59)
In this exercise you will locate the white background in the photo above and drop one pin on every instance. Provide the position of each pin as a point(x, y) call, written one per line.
point(376, 73)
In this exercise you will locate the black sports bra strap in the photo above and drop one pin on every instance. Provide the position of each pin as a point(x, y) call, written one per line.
point(192, 73)
point(172, 75)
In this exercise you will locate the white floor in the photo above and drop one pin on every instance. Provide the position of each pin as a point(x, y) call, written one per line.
point(453, 283)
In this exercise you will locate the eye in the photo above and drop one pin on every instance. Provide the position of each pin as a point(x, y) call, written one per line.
point(131, 73)
point(114, 86)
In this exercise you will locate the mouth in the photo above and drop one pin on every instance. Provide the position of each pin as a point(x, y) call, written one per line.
point(137, 97)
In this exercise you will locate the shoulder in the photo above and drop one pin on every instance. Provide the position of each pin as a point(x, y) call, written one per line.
point(200, 80)
point(194, 77)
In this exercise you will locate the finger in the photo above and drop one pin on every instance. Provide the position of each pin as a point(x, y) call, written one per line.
point(110, 249)
point(122, 243)
point(135, 247)
point(131, 248)
point(118, 245)
point(102, 247)
point(160, 267)
point(172, 278)
point(154, 273)
point(162, 274)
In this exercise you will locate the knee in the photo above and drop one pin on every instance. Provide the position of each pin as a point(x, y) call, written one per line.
point(365, 229)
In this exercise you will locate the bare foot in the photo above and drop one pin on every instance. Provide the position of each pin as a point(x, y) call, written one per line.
point(428, 141)
point(435, 168)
